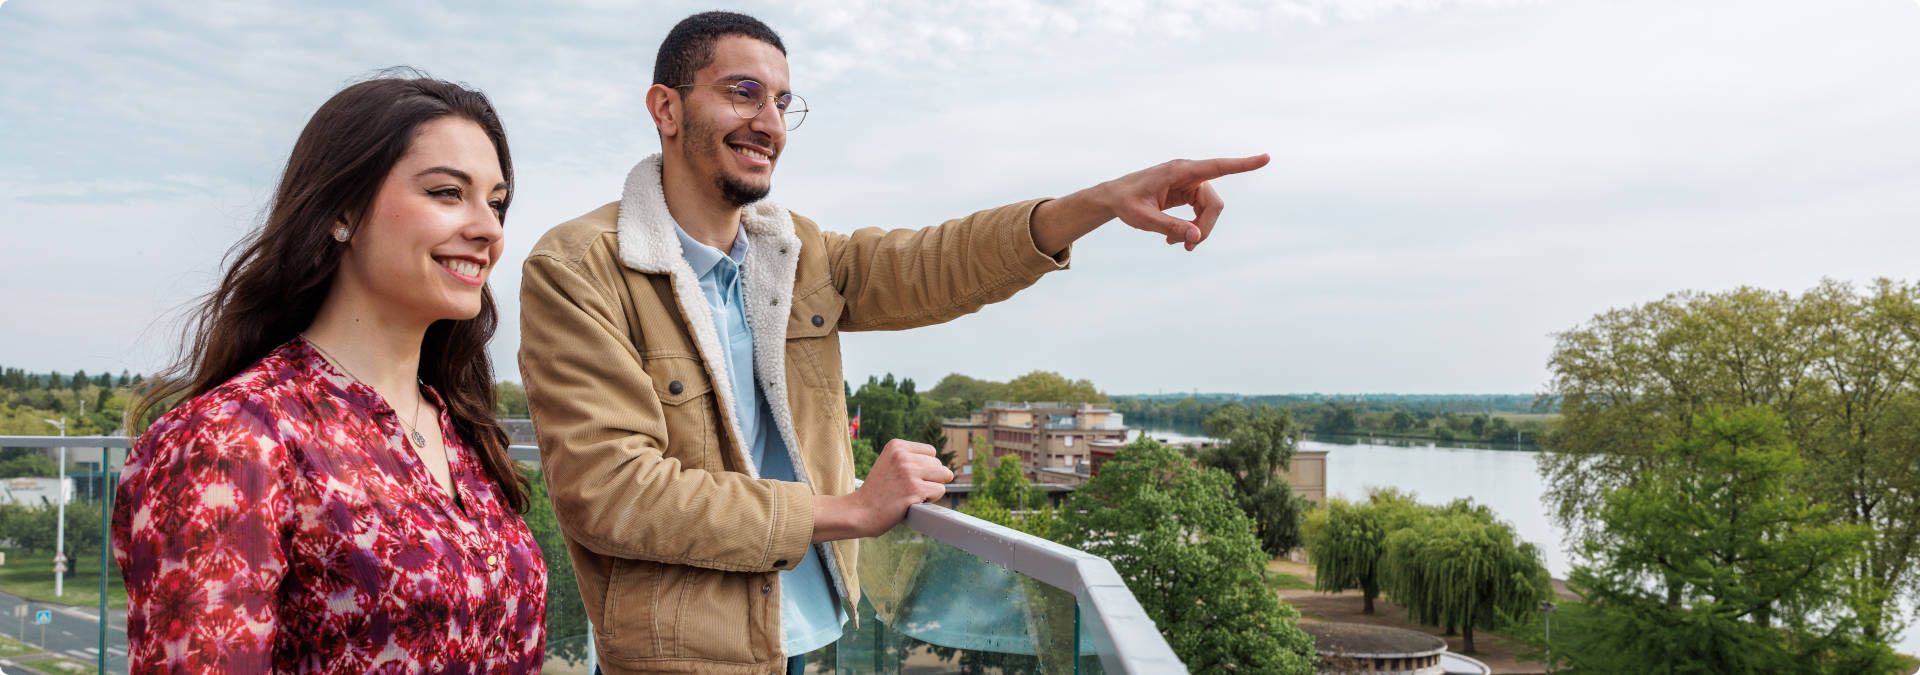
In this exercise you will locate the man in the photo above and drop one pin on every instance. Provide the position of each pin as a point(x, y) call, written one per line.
point(682, 360)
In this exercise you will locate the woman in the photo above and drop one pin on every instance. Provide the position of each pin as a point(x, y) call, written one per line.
point(334, 494)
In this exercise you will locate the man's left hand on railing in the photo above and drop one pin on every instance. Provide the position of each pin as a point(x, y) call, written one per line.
point(906, 473)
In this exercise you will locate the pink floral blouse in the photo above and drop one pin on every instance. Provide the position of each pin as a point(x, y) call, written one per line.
point(280, 523)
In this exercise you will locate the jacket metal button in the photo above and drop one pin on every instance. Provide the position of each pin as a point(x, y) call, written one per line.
point(819, 321)
point(675, 387)
point(783, 250)
point(766, 587)
point(773, 302)
point(780, 563)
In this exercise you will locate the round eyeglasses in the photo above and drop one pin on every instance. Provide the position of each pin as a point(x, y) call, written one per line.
point(749, 98)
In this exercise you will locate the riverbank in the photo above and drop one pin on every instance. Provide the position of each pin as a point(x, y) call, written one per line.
point(1414, 441)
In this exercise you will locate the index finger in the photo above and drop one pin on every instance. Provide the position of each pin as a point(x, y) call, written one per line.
point(1209, 169)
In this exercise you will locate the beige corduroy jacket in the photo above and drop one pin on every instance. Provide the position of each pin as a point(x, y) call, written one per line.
point(676, 543)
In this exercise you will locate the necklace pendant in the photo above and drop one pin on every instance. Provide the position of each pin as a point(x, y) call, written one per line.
point(419, 441)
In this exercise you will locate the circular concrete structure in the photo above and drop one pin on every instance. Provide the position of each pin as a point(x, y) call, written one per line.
point(1363, 648)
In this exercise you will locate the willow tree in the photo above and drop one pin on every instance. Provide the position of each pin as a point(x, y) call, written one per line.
point(1346, 539)
point(1460, 569)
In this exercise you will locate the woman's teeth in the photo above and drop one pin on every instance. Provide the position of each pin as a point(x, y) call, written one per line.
point(461, 267)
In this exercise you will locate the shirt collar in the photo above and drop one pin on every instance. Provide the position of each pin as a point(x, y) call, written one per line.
point(702, 258)
point(302, 354)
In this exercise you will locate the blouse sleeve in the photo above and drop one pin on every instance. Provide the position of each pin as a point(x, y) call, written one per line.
point(197, 531)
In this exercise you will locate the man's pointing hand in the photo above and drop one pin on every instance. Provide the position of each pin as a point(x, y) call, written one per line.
point(1141, 199)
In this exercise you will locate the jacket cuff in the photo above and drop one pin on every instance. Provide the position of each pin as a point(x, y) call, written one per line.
point(792, 525)
point(1026, 259)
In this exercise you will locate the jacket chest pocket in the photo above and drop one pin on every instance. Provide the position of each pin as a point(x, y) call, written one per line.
point(686, 401)
point(813, 350)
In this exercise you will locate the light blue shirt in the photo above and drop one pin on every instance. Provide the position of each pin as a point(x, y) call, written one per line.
point(810, 615)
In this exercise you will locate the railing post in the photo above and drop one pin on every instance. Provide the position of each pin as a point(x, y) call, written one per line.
point(106, 547)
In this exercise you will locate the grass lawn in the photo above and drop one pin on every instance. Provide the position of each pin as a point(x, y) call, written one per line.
point(31, 576)
point(1282, 581)
point(61, 666)
point(12, 647)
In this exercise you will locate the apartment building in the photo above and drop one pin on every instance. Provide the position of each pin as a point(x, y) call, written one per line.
point(1054, 441)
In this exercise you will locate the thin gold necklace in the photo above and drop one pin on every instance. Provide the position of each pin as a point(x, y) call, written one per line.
point(413, 431)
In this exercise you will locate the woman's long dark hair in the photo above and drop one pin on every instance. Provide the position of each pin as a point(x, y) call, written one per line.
point(277, 277)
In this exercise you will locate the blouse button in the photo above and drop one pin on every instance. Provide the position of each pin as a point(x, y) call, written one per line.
point(493, 560)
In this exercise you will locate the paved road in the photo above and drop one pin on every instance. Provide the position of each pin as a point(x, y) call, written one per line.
point(74, 633)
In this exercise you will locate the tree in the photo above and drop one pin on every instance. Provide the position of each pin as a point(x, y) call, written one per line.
point(83, 531)
point(1711, 560)
point(1336, 419)
point(890, 410)
point(566, 613)
point(1345, 541)
point(1007, 484)
point(510, 400)
point(959, 395)
point(863, 457)
point(1189, 555)
point(1002, 495)
point(1840, 365)
point(28, 464)
point(1400, 421)
point(1258, 445)
point(1460, 569)
point(1042, 385)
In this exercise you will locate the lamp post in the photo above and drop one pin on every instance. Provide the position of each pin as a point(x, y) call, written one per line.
point(60, 522)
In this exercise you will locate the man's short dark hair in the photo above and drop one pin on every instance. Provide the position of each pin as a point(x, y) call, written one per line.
point(689, 46)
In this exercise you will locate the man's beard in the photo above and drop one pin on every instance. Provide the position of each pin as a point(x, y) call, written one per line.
point(739, 193)
point(736, 191)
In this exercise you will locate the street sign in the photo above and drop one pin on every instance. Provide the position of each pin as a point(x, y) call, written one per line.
point(20, 611)
point(59, 567)
point(43, 617)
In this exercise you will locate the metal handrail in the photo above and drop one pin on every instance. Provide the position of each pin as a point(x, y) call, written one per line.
point(1136, 644)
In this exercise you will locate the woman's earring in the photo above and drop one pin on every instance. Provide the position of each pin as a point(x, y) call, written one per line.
point(340, 234)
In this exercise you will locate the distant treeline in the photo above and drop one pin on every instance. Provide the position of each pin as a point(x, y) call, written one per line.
point(19, 380)
point(1493, 418)
point(90, 404)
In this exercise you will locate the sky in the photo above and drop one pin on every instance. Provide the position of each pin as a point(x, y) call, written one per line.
point(1453, 182)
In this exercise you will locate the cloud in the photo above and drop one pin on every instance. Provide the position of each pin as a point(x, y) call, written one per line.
point(1453, 181)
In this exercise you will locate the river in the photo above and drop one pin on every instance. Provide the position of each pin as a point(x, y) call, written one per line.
point(1507, 481)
